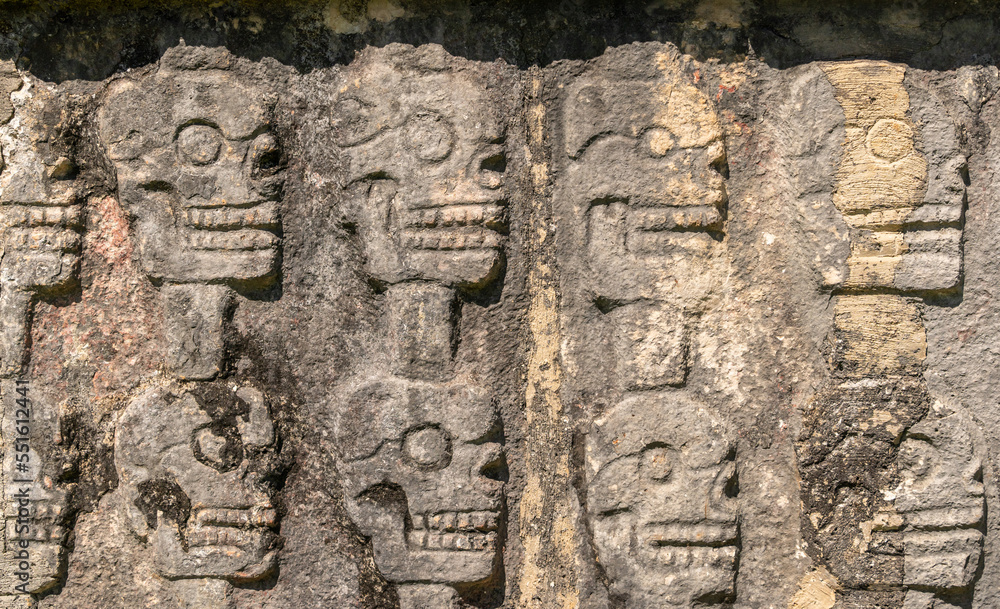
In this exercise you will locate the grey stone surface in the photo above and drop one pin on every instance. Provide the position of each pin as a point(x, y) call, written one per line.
point(41, 214)
point(199, 475)
point(422, 447)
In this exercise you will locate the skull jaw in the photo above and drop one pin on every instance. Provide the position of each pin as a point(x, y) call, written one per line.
point(662, 586)
point(462, 268)
point(681, 278)
point(190, 255)
point(399, 562)
point(944, 560)
point(203, 266)
point(250, 561)
point(43, 270)
point(671, 575)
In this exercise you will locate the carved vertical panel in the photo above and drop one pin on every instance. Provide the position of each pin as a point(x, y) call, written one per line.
point(270, 332)
point(40, 225)
point(421, 442)
point(875, 441)
point(201, 174)
point(40, 217)
point(642, 201)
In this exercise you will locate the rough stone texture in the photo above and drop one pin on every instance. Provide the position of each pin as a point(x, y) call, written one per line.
point(417, 305)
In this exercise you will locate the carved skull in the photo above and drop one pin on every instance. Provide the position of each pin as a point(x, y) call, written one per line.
point(426, 159)
point(40, 218)
point(941, 501)
point(661, 501)
point(904, 202)
point(646, 170)
point(423, 467)
point(198, 473)
point(199, 169)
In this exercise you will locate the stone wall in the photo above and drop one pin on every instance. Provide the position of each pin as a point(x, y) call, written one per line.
point(425, 307)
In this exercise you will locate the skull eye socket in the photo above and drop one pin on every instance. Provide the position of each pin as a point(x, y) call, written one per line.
point(658, 463)
point(728, 481)
point(428, 448)
point(220, 451)
point(199, 144)
point(429, 136)
point(492, 169)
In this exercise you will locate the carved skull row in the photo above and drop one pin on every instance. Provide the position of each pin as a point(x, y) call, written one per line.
point(201, 171)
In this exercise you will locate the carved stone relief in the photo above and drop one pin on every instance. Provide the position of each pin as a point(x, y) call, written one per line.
point(663, 220)
point(662, 501)
point(644, 177)
point(875, 429)
point(940, 499)
point(426, 163)
point(41, 217)
point(541, 265)
point(422, 447)
point(40, 222)
point(201, 174)
point(198, 467)
point(34, 505)
point(905, 204)
point(421, 483)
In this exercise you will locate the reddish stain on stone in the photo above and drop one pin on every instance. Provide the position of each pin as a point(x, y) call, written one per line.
point(112, 241)
point(109, 331)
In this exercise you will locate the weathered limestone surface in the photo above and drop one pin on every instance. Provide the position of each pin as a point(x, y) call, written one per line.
point(408, 306)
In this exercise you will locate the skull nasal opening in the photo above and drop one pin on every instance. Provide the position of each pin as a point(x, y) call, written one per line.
point(165, 497)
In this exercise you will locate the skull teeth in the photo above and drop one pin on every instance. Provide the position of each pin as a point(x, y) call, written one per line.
point(441, 522)
point(451, 239)
point(37, 215)
point(490, 216)
point(696, 556)
point(43, 527)
point(236, 240)
point(221, 218)
point(702, 217)
point(659, 242)
point(201, 536)
point(462, 542)
point(49, 238)
point(255, 516)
